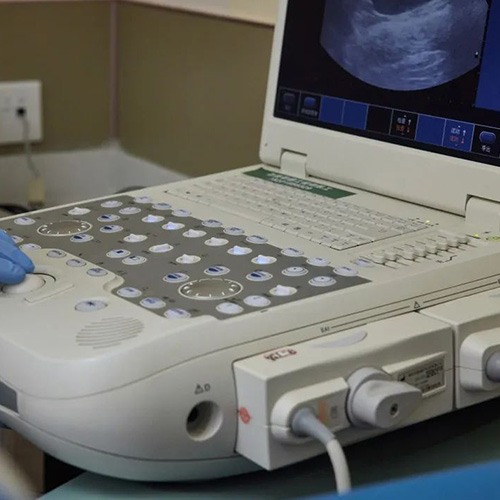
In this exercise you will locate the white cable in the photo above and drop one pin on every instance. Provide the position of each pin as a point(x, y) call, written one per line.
point(27, 145)
point(305, 423)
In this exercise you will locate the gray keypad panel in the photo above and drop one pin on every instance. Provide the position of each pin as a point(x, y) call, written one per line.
point(175, 265)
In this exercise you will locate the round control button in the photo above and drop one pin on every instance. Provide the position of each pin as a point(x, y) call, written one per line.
point(76, 263)
point(108, 218)
point(346, 271)
point(237, 250)
point(193, 233)
point(295, 271)
point(217, 271)
point(31, 283)
point(173, 226)
point(188, 259)
point(30, 246)
point(17, 239)
point(257, 301)
point(210, 289)
point(442, 244)
point(292, 252)
point(176, 278)
point(259, 276)
point(64, 228)
point(134, 260)
point(162, 206)
point(212, 223)
point(264, 260)
point(392, 255)
point(229, 309)
point(409, 253)
point(420, 251)
point(234, 231)
point(111, 204)
point(153, 303)
point(161, 248)
point(91, 305)
point(129, 293)
point(181, 213)
point(118, 254)
point(177, 314)
point(130, 211)
point(153, 219)
point(453, 241)
point(79, 211)
point(257, 240)
point(81, 238)
point(431, 246)
point(96, 272)
point(24, 221)
point(111, 229)
point(135, 238)
point(323, 281)
point(363, 263)
point(318, 262)
point(56, 254)
point(143, 200)
point(216, 242)
point(379, 258)
point(283, 291)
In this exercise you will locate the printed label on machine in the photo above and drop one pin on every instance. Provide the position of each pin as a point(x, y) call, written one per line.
point(428, 377)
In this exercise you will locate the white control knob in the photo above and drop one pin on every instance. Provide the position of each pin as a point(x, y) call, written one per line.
point(216, 242)
point(264, 260)
point(283, 291)
point(431, 246)
point(237, 250)
point(188, 259)
point(421, 251)
point(31, 283)
point(378, 258)
point(135, 238)
point(79, 211)
point(442, 244)
point(493, 368)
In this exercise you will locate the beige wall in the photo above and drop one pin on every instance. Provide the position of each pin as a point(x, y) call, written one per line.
point(66, 46)
point(192, 88)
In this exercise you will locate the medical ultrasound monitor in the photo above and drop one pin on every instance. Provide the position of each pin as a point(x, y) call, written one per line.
point(418, 73)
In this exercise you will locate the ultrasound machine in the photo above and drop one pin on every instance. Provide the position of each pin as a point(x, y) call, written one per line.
point(175, 333)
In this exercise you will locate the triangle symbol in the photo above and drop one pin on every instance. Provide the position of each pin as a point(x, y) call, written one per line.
point(417, 306)
point(199, 389)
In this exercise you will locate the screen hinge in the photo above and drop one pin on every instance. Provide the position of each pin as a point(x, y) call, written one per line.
point(483, 213)
point(293, 163)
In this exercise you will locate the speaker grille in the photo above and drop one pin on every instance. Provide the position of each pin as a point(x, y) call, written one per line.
point(109, 332)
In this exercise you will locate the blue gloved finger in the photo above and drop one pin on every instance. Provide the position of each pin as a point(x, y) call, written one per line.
point(5, 237)
point(12, 253)
point(10, 273)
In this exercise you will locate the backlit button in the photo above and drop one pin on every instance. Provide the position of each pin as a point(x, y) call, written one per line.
point(364, 263)
point(161, 248)
point(129, 292)
point(295, 271)
point(111, 229)
point(76, 263)
point(257, 301)
point(193, 233)
point(111, 204)
point(130, 211)
point(292, 252)
point(24, 221)
point(229, 308)
point(257, 240)
point(17, 239)
point(79, 211)
point(177, 314)
point(118, 254)
point(216, 242)
point(153, 219)
point(30, 246)
point(212, 223)
point(346, 271)
point(237, 250)
point(173, 226)
point(162, 206)
point(135, 238)
point(81, 238)
point(283, 291)
point(96, 272)
point(188, 259)
point(134, 260)
point(322, 281)
point(143, 200)
point(264, 260)
point(176, 278)
point(259, 276)
point(181, 213)
point(153, 303)
point(56, 254)
point(108, 218)
point(318, 262)
point(91, 306)
point(234, 231)
point(217, 271)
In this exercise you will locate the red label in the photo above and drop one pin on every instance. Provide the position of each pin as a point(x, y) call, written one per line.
point(244, 415)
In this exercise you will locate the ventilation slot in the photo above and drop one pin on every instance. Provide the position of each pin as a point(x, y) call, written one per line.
point(109, 332)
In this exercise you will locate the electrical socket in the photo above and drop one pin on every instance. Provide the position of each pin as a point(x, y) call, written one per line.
point(16, 95)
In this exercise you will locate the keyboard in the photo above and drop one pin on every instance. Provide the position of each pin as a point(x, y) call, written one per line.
point(334, 223)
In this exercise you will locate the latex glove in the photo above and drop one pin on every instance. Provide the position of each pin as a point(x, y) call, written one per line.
point(14, 264)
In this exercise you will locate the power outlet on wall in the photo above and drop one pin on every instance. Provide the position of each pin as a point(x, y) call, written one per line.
point(15, 96)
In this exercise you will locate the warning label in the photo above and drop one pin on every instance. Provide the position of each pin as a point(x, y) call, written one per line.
point(427, 377)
